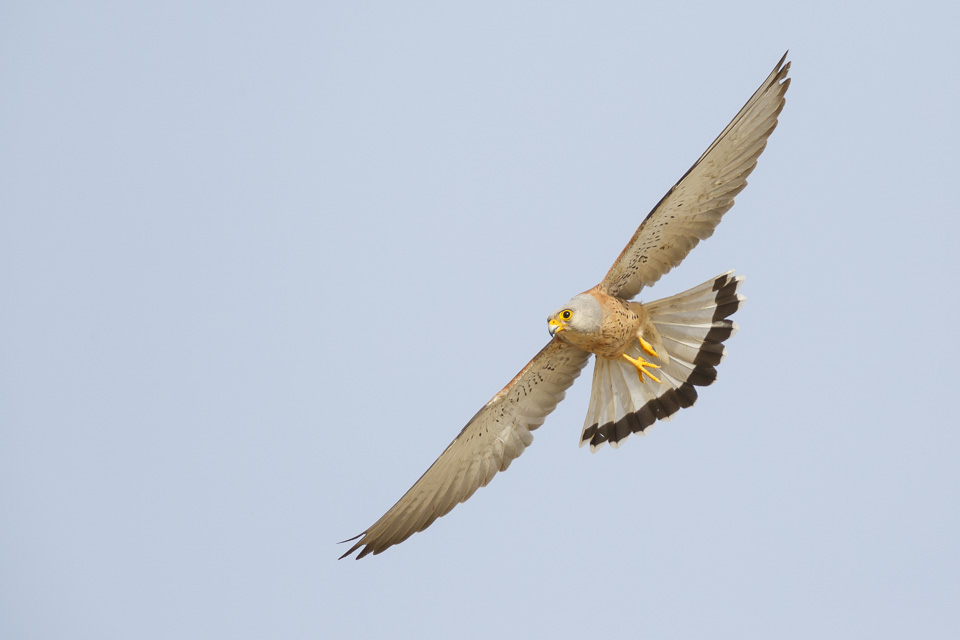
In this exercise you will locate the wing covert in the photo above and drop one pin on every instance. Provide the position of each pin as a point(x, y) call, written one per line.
point(492, 439)
point(691, 210)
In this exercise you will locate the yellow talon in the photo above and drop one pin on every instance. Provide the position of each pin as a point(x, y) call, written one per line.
point(646, 346)
point(640, 363)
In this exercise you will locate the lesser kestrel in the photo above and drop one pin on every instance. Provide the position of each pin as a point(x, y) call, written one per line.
point(650, 357)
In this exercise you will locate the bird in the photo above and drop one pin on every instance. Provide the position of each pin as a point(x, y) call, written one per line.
point(649, 358)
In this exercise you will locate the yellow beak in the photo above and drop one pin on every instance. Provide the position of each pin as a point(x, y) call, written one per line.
point(555, 327)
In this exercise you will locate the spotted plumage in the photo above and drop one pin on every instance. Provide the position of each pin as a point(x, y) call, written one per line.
point(650, 357)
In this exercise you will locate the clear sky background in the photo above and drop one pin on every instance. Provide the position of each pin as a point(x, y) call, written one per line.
point(260, 262)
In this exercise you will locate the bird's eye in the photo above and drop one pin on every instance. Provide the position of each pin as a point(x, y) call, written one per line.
point(565, 314)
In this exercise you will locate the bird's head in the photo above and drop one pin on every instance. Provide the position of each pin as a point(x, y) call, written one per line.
point(582, 315)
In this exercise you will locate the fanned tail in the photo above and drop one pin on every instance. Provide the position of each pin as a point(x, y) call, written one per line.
point(692, 327)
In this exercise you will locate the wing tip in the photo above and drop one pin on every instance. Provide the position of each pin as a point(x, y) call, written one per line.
point(355, 547)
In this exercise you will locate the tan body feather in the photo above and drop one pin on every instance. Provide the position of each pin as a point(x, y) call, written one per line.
point(622, 323)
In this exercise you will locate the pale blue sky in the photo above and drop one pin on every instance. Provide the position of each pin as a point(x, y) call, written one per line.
point(260, 262)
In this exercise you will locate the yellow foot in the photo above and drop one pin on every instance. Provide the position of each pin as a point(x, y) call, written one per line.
point(646, 346)
point(640, 363)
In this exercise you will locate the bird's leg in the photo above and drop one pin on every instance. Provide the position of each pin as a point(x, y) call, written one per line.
point(646, 346)
point(640, 363)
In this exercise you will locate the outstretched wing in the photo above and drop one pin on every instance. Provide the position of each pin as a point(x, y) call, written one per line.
point(692, 209)
point(489, 443)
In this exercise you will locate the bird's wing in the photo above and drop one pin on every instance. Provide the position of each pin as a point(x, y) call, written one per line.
point(691, 210)
point(489, 443)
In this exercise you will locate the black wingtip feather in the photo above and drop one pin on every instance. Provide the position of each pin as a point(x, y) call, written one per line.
point(354, 547)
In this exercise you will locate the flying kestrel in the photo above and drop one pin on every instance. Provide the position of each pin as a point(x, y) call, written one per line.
point(649, 358)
